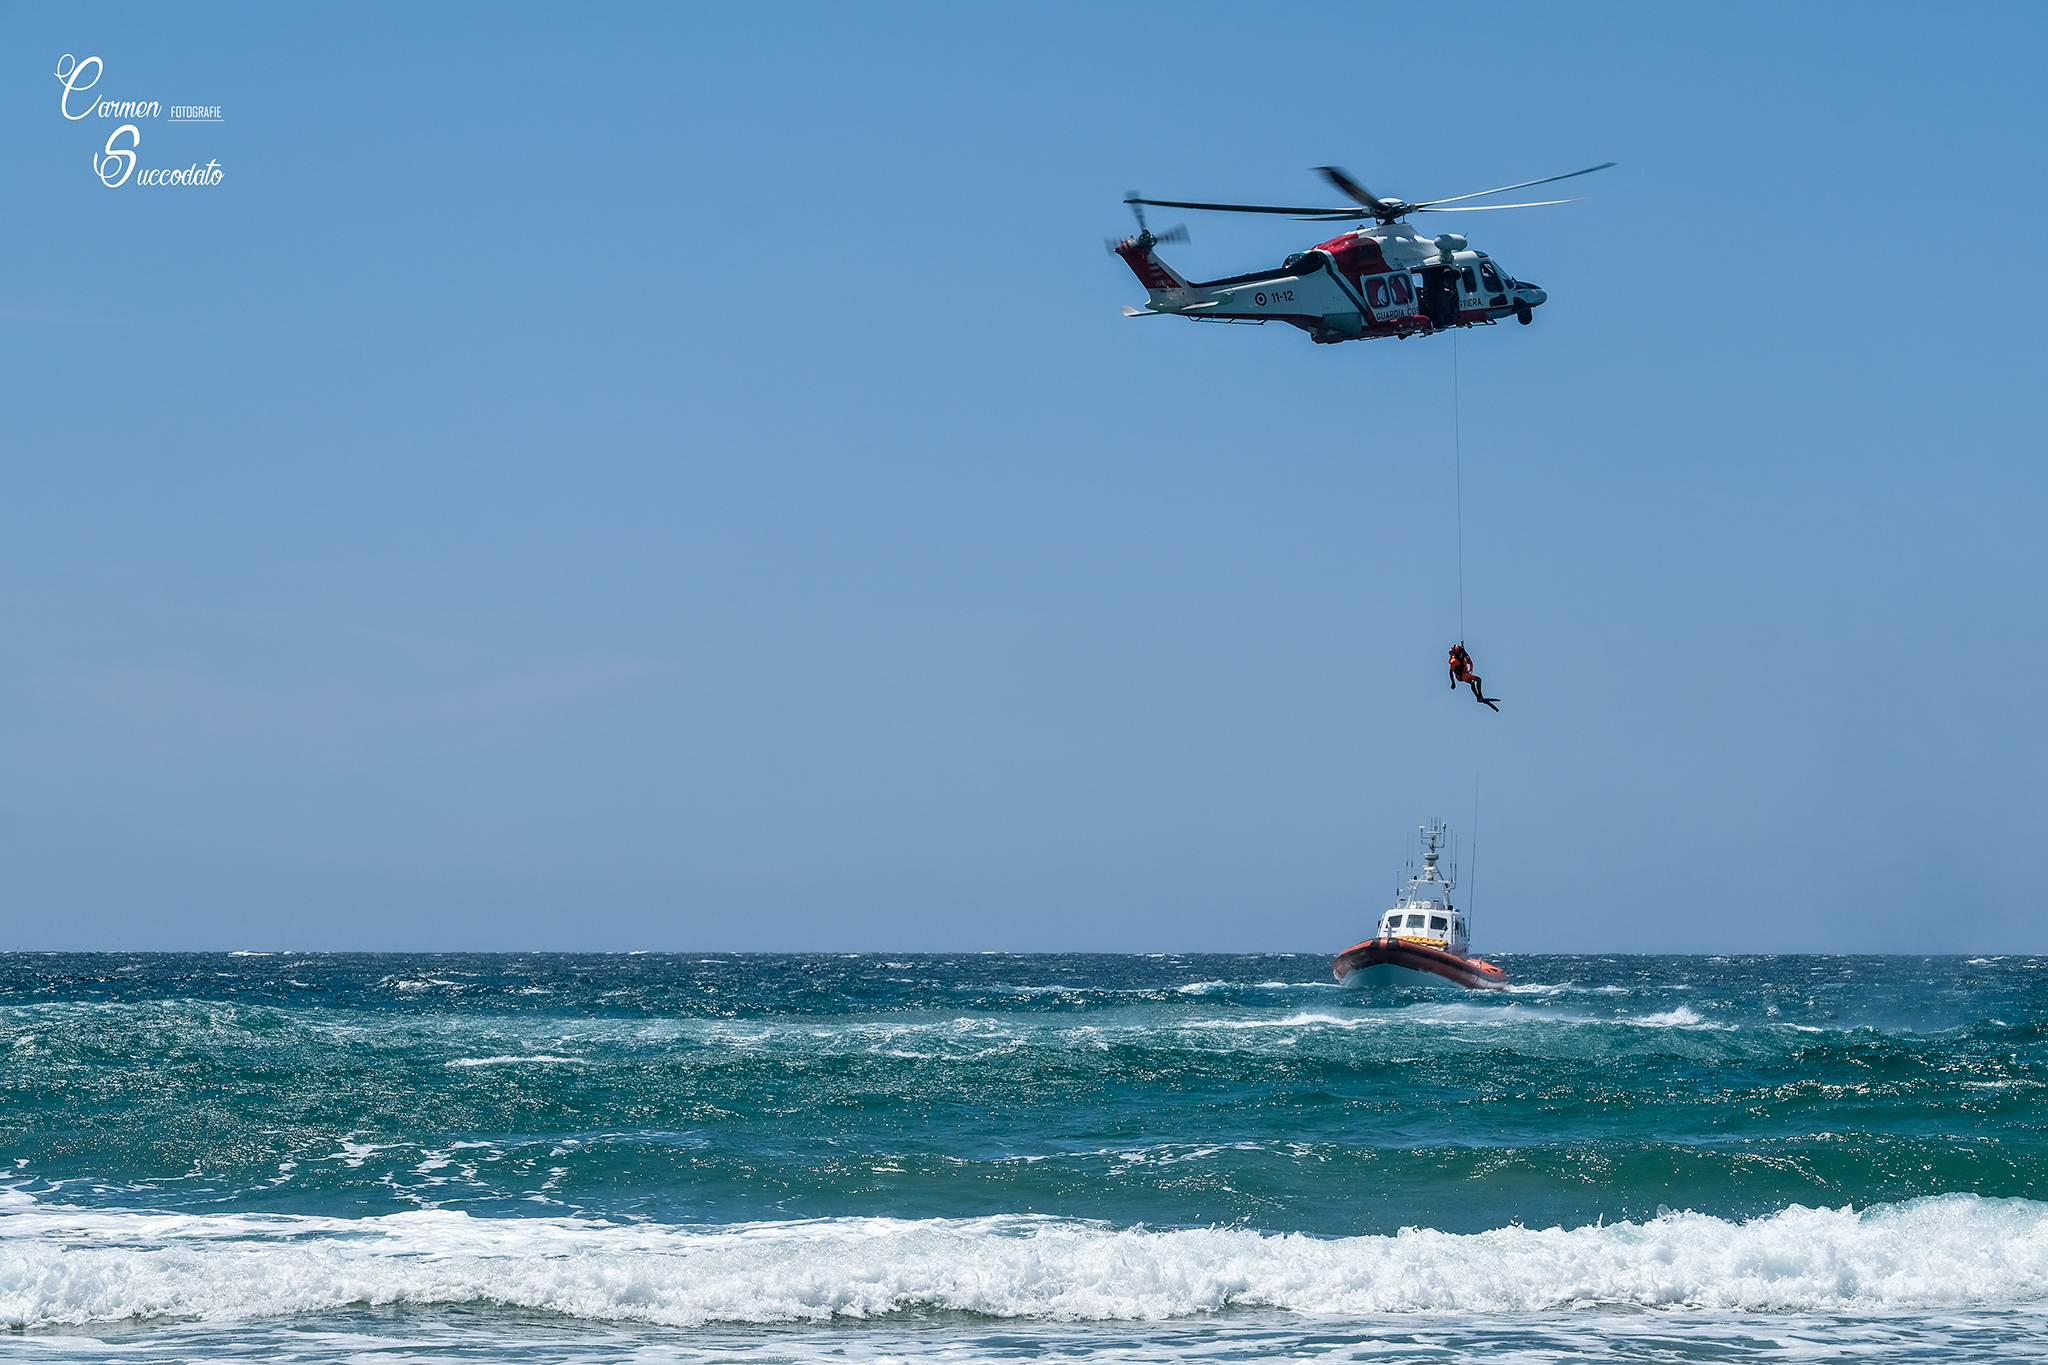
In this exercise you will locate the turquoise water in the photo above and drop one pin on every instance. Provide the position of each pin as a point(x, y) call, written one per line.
point(776, 1158)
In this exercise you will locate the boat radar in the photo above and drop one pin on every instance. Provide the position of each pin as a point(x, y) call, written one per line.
point(1424, 940)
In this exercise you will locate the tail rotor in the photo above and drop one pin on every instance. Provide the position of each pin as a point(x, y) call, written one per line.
point(1146, 238)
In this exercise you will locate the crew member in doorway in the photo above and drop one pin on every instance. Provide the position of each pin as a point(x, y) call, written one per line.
point(1461, 672)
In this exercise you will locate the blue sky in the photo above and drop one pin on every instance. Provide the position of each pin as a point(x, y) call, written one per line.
point(674, 477)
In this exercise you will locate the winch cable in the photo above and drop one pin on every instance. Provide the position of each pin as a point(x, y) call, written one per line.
point(1458, 473)
point(1458, 469)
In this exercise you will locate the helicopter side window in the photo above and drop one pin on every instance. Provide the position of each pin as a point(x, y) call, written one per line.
point(1493, 283)
point(1471, 280)
point(1438, 922)
point(1376, 292)
point(1397, 285)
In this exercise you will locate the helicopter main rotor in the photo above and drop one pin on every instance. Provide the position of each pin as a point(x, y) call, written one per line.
point(1370, 205)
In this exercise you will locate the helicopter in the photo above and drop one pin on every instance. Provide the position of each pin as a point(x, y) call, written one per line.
point(1383, 280)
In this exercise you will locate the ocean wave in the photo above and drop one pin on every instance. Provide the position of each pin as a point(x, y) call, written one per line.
point(71, 1267)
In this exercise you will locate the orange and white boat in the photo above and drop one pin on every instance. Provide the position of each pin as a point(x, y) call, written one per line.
point(1424, 940)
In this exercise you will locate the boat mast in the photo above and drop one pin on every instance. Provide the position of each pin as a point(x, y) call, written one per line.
point(1433, 839)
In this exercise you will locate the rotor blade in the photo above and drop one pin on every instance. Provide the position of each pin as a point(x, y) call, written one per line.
point(1351, 188)
point(1245, 208)
point(1481, 208)
point(1523, 186)
point(1177, 233)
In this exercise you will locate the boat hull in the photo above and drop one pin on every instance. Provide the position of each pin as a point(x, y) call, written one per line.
point(1397, 962)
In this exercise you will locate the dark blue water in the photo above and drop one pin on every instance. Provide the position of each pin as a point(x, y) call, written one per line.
point(793, 1157)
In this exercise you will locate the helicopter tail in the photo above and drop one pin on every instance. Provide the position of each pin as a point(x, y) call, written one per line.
point(1152, 272)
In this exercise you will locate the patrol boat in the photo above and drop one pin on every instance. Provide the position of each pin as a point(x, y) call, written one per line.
point(1424, 939)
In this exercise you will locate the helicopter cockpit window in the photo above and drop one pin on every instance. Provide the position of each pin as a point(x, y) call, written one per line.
point(1376, 292)
point(1397, 285)
point(1486, 273)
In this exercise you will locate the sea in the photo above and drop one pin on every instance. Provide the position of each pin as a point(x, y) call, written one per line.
point(993, 1157)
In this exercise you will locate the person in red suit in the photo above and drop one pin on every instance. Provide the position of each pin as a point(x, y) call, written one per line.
point(1461, 672)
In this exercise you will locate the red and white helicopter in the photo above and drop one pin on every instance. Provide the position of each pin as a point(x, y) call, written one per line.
point(1386, 280)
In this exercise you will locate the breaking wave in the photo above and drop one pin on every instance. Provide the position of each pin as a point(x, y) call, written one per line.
point(66, 1267)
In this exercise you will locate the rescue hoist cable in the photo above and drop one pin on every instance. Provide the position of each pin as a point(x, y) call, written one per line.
point(1458, 473)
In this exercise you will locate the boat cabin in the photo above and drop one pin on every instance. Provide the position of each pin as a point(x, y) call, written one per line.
point(1422, 911)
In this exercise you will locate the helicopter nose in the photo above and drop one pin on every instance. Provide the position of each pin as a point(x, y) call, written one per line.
point(1530, 295)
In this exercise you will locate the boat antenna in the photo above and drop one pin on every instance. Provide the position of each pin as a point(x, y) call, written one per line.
point(1471, 896)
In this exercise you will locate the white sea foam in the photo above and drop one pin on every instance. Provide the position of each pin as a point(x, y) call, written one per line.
point(1298, 1019)
point(62, 1266)
point(521, 1060)
point(1682, 1017)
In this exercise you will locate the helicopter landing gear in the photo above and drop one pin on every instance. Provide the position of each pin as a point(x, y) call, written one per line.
point(1524, 316)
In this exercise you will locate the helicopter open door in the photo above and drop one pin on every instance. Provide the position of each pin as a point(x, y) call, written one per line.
point(1439, 295)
